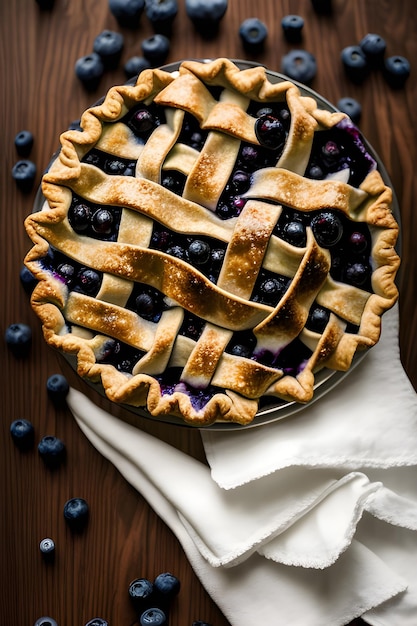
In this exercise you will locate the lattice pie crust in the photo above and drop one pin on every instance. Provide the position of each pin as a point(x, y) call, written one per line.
point(202, 377)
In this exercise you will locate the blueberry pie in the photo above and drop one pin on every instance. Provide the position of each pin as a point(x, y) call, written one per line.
point(211, 238)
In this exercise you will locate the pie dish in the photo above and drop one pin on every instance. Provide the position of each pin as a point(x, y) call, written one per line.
point(211, 238)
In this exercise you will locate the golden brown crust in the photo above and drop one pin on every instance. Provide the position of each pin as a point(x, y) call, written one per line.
point(226, 306)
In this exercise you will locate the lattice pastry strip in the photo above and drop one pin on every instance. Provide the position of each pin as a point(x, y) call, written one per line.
point(201, 231)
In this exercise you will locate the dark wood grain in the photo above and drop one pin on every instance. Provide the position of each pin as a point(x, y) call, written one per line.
point(125, 538)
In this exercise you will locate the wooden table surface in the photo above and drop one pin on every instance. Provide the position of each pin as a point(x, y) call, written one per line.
point(124, 538)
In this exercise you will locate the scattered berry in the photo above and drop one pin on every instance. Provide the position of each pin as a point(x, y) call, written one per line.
point(351, 107)
point(161, 14)
point(24, 173)
point(57, 387)
point(355, 63)
point(200, 622)
point(19, 339)
point(135, 65)
point(253, 33)
point(97, 621)
point(24, 143)
point(141, 593)
point(47, 548)
point(76, 513)
point(373, 46)
point(52, 451)
point(167, 585)
point(299, 65)
point(45, 621)
point(396, 71)
point(153, 617)
point(89, 69)
point(206, 15)
point(156, 49)
point(22, 433)
point(109, 46)
point(127, 12)
point(27, 279)
point(292, 26)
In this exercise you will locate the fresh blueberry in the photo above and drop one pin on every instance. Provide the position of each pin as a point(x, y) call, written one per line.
point(135, 65)
point(52, 451)
point(22, 433)
point(156, 49)
point(292, 27)
point(141, 593)
point(198, 252)
point(327, 228)
point(18, 339)
point(47, 548)
point(97, 621)
point(374, 47)
point(355, 63)
point(206, 15)
point(88, 281)
point(253, 33)
point(127, 12)
point(57, 387)
point(299, 65)
point(153, 617)
point(45, 621)
point(89, 69)
point(24, 173)
point(24, 143)
point(161, 14)
point(27, 279)
point(396, 71)
point(322, 7)
point(351, 107)
point(109, 46)
point(270, 132)
point(317, 319)
point(167, 585)
point(76, 512)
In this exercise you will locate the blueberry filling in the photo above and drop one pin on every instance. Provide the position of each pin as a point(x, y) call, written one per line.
point(147, 302)
point(191, 134)
point(76, 276)
point(291, 359)
point(291, 227)
point(170, 382)
point(242, 344)
point(173, 180)
point(143, 119)
point(192, 326)
point(116, 166)
point(269, 288)
point(94, 220)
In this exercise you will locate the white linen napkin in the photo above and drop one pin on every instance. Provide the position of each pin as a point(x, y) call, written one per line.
point(299, 539)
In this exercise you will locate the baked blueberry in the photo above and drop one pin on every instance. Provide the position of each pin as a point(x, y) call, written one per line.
point(206, 15)
point(97, 621)
point(253, 33)
point(358, 242)
point(161, 14)
point(27, 280)
point(357, 274)
point(102, 221)
point(396, 71)
point(294, 232)
point(156, 49)
point(57, 387)
point(351, 107)
point(373, 46)
point(153, 617)
point(79, 215)
point(18, 338)
point(127, 12)
point(45, 621)
point(270, 132)
point(22, 433)
point(317, 319)
point(299, 65)
point(52, 451)
point(109, 46)
point(47, 548)
point(327, 228)
point(135, 65)
point(199, 252)
point(141, 593)
point(292, 27)
point(88, 281)
point(76, 512)
point(355, 63)
point(89, 69)
point(24, 173)
point(23, 142)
